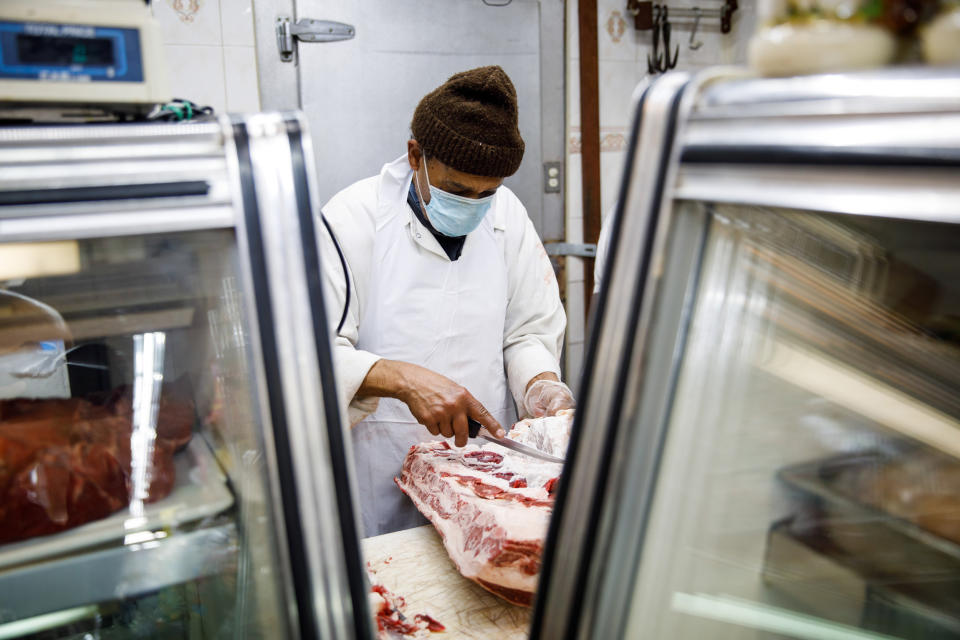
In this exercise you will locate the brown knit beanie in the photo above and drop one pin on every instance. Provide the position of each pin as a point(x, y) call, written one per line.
point(469, 123)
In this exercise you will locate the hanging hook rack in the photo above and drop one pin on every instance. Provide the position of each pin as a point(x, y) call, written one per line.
point(642, 12)
point(661, 61)
point(693, 32)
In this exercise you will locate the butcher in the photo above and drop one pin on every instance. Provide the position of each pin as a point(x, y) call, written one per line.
point(445, 303)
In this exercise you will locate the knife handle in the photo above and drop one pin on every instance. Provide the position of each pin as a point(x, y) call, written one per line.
point(473, 427)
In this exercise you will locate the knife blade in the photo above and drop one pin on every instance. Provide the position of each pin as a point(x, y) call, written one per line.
point(475, 432)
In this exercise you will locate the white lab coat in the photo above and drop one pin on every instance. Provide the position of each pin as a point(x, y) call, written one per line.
point(410, 303)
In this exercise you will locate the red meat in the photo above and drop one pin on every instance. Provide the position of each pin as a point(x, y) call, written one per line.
point(65, 462)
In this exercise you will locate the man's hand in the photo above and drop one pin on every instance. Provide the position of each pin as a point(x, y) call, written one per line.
point(546, 395)
point(437, 402)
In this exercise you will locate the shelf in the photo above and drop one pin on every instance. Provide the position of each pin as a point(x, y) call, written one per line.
point(123, 571)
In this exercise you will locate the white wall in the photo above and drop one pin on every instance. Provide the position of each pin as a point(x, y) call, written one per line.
point(622, 65)
point(210, 52)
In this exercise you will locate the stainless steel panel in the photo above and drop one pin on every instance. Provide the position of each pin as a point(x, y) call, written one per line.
point(903, 131)
point(916, 194)
point(122, 223)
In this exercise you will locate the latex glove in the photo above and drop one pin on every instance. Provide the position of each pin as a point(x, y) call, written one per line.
point(546, 397)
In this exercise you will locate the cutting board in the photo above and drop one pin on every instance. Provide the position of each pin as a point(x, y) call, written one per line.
point(414, 564)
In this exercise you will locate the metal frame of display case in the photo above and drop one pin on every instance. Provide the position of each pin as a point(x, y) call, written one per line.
point(190, 177)
point(880, 143)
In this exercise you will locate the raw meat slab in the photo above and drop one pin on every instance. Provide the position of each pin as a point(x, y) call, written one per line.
point(490, 506)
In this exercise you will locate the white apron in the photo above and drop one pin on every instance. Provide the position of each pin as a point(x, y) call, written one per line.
point(445, 316)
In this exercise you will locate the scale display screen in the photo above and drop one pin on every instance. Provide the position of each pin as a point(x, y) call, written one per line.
point(65, 51)
point(69, 52)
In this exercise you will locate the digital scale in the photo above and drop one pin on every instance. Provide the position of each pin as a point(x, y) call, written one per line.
point(79, 56)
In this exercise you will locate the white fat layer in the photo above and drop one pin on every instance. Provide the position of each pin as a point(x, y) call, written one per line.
point(505, 519)
point(550, 435)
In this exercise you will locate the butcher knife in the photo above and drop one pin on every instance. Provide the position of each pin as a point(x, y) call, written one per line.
point(476, 430)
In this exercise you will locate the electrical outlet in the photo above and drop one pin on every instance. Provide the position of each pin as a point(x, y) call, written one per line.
point(552, 177)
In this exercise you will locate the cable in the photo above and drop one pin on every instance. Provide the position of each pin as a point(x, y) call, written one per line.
point(179, 110)
point(346, 274)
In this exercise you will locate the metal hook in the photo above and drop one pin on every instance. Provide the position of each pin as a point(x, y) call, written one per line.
point(654, 64)
point(696, 23)
point(668, 63)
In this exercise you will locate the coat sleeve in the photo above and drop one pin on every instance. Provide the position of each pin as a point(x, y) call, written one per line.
point(350, 363)
point(535, 322)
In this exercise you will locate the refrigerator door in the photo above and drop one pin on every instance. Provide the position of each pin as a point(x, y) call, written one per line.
point(774, 370)
point(171, 454)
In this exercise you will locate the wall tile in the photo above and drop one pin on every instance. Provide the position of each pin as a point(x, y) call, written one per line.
point(240, 73)
point(616, 37)
point(618, 79)
point(734, 48)
point(643, 42)
point(612, 139)
point(196, 73)
point(236, 22)
point(188, 21)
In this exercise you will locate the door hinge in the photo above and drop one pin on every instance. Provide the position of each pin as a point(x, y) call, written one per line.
point(306, 30)
point(571, 249)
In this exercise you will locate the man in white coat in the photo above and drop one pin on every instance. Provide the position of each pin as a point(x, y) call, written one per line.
point(453, 309)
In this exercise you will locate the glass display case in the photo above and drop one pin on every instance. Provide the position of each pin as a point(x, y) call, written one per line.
point(767, 442)
point(171, 455)
point(766, 438)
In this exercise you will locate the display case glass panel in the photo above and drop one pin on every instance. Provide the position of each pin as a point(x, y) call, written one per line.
point(809, 484)
point(136, 497)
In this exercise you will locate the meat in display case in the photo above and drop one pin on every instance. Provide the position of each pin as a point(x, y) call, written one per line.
point(169, 437)
point(773, 377)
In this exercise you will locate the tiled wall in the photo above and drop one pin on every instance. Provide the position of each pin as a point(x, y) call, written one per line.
point(210, 51)
point(622, 65)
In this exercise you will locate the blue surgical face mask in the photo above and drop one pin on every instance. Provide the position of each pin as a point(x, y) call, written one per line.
point(450, 214)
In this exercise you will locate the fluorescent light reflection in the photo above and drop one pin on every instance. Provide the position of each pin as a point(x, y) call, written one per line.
point(148, 352)
point(755, 615)
point(45, 622)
